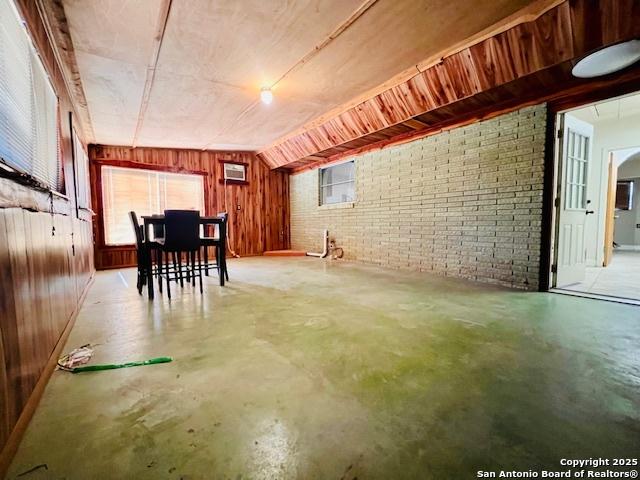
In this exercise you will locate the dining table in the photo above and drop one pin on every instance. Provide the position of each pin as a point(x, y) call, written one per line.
point(150, 220)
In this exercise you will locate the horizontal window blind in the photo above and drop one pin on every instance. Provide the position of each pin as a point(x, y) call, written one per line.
point(145, 192)
point(28, 105)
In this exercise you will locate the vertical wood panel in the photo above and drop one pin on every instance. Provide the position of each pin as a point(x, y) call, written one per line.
point(38, 298)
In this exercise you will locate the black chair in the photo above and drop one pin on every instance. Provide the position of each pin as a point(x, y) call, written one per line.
point(158, 234)
point(158, 229)
point(181, 237)
point(142, 253)
point(219, 242)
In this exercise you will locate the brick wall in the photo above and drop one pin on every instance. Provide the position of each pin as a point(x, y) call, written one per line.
point(464, 203)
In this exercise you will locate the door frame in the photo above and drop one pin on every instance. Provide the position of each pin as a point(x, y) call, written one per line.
point(559, 190)
point(591, 93)
point(551, 201)
point(609, 214)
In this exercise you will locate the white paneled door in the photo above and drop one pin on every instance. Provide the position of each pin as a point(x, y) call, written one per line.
point(576, 150)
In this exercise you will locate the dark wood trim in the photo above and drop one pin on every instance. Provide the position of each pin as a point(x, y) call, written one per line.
point(147, 166)
point(548, 197)
point(117, 267)
point(99, 150)
point(98, 224)
point(119, 248)
point(221, 181)
point(13, 442)
point(602, 89)
point(233, 162)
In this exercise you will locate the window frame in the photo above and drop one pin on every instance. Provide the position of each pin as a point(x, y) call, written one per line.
point(321, 170)
point(11, 168)
point(577, 174)
point(81, 171)
point(97, 189)
point(629, 205)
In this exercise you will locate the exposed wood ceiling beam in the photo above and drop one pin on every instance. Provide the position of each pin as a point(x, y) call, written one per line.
point(163, 17)
point(563, 33)
point(503, 102)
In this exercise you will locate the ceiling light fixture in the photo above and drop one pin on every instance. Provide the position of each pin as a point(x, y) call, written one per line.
point(608, 60)
point(266, 95)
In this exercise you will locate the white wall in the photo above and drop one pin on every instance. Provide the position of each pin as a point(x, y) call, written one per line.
point(630, 167)
point(609, 135)
point(626, 231)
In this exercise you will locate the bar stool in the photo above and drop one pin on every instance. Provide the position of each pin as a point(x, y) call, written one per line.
point(158, 234)
point(181, 236)
point(218, 241)
point(142, 254)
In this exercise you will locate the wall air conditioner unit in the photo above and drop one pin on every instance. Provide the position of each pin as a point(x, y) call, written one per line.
point(233, 171)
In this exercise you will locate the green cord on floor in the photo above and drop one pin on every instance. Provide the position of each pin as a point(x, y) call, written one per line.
point(95, 368)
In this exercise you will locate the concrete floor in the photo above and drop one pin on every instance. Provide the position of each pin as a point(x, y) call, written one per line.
point(305, 369)
point(621, 278)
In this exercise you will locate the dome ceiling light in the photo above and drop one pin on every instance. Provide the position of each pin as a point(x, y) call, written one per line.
point(266, 95)
point(608, 60)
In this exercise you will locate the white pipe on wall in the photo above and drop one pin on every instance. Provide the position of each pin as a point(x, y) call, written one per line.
point(325, 242)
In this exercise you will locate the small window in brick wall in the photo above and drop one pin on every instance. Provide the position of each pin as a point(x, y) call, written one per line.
point(338, 183)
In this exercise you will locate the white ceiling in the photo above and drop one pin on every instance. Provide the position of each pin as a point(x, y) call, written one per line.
point(615, 109)
point(216, 55)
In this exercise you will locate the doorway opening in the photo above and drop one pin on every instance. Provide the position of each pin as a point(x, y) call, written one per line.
point(596, 248)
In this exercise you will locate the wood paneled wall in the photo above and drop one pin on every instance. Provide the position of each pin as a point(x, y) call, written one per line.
point(261, 223)
point(43, 272)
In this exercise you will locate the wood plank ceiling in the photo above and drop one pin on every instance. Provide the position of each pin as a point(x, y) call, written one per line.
point(529, 61)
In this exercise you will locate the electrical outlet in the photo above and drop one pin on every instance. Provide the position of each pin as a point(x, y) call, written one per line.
point(238, 207)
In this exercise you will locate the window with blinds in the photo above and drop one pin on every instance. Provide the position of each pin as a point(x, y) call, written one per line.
point(81, 160)
point(28, 105)
point(146, 192)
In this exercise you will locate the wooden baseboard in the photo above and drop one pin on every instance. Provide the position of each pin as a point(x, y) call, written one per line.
point(115, 267)
point(13, 442)
point(284, 253)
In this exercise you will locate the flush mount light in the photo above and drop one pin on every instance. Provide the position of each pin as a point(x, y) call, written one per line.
point(608, 60)
point(266, 95)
